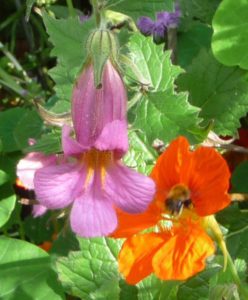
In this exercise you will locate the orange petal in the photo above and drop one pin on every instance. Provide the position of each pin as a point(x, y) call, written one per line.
point(135, 257)
point(129, 224)
point(171, 165)
point(209, 182)
point(183, 254)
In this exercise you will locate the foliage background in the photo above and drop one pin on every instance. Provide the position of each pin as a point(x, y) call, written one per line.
point(206, 89)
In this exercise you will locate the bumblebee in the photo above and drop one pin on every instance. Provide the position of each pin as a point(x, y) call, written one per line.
point(177, 199)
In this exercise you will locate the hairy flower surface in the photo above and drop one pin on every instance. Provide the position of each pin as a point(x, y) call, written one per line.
point(191, 185)
point(93, 180)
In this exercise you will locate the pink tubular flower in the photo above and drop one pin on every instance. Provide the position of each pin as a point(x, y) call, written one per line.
point(93, 180)
point(26, 169)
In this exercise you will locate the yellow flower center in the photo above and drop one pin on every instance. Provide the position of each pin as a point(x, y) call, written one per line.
point(96, 160)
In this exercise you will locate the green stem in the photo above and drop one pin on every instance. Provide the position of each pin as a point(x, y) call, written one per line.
point(96, 11)
point(242, 288)
point(71, 9)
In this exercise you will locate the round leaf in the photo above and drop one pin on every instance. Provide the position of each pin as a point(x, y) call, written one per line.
point(230, 42)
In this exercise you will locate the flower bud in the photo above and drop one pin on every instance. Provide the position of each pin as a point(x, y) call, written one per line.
point(101, 46)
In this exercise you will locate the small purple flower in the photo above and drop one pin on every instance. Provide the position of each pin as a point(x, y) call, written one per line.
point(159, 27)
point(92, 179)
point(146, 25)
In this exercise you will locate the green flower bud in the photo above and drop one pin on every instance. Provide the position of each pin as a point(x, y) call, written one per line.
point(101, 46)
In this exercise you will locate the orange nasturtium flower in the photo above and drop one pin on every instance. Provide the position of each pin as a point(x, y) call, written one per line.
point(191, 186)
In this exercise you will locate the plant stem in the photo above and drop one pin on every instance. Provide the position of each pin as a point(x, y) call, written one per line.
point(71, 9)
point(242, 288)
point(96, 11)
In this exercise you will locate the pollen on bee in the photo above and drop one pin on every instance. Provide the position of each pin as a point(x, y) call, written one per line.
point(177, 199)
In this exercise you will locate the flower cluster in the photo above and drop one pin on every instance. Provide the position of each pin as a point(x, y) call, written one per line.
point(191, 186)
point(91, 178)
point(158, 28)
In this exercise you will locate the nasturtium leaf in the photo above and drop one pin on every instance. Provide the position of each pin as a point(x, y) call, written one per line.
point(220, 92)
point(202, 10)
point(26, 273)
point(161, 112)
point(156, 289)
point(230, 42)
point(239, 178)
point(7, 203)
point(92, 270)
point(197, 288)
point(138, 8)
point(191, 42)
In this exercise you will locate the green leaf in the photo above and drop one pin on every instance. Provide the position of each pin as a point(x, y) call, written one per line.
point(90, 272)
point(65, 242)
point(7, 203)
point(39, 229)
point(220, 92)
point(153, 288)
point(49, 143)
point(233, 218)
point(68, 37)
point(230, 43)
point(64, 79)
point(191, 42)
point(202, 10)
point(3, 177)
point(239, 183)
point(128, 292)
point(197, 288)
point(25, 272)
point(29, 5)
point(161, 113)
point(224, 291)
point(30, 126)
point(17, 125)
point(8, 164)
point(8, 123)
point(138, 8)
point(140, 155)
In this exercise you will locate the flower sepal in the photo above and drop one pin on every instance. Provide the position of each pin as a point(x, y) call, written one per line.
point(101, 46)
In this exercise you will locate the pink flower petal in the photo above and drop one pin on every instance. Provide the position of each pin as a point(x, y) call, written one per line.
point(27, 166)
point(92, 213)
point(93, 109)
point(57, 186)
point(70, 145)
point(113, 137)
point(129, 190)
point(38, 210)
